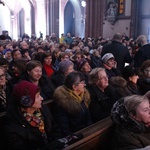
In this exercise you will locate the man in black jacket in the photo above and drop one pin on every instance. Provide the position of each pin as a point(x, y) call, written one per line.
point(120, 52)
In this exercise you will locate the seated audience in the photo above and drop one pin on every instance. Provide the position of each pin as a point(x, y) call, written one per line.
point(102, 94)
point(72, 104)
point(131, 117)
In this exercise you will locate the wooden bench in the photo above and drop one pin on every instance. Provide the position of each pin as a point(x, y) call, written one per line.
point(96, 137)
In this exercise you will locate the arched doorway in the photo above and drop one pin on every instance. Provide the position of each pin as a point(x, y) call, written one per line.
point(69, 21)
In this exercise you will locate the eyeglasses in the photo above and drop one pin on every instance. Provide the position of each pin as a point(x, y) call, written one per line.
point(2, 75)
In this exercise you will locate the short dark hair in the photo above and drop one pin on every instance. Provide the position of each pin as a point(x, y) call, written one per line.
point(72, 78)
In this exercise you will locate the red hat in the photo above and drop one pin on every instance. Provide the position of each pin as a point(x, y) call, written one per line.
point(24, 93)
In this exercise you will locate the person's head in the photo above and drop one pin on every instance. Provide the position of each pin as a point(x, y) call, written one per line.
point(5, 64)
point(24, 45)
point(83, 65)
point(145, 69)
point(16, 54)
point(141, 40)
point(75, 81)
point(19, 66)
point(138, 108)
point(66, 66)
point(130, 74)
point(34, 70)
point(98, 77)
point(117, 37)
point(40, 49)
point(63, 56)
point(27, 95)
point(7, 53)
point(46, 58)
point(109, 60)
point(2, 77)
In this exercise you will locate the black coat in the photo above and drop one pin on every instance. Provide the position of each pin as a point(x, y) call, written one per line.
point(120, 52)
point(21, 135)
point(142, 55)
point(101, 102)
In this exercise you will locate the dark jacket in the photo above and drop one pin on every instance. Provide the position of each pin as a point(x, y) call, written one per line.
point(70, 114)
point(101, 102)
point(120, 52)
point(129, 134)
point(21, 135)
point(142, 55)
point(144, 85)
point(57, 79)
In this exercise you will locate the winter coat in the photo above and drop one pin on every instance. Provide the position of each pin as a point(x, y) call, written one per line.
point(142, 55)
point(129, 134)
point(21, 135)
point(57, 79)
point(101, 102)
point(144, 85)
point(70, 114)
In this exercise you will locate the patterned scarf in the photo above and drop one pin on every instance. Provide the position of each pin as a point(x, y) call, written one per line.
point(35, 120)
point(3, 96)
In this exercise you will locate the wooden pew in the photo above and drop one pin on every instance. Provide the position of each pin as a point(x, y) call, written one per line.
point(96, 137)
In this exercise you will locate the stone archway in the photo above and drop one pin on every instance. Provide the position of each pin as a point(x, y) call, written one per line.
point(77, 15)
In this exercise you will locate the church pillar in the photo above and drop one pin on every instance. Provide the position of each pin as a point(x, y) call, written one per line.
point(94, 18)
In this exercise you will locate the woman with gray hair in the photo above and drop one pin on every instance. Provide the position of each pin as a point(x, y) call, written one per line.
point(102, 94)
point(131, 116)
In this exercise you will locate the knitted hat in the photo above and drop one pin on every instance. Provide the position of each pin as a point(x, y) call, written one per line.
point(107, 56)
point(6, 50)
point(80, 63)
point(128, 71)
point(24, 93)
point(64, 65)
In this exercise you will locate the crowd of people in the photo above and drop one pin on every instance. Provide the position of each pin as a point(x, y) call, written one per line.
point(88, 79)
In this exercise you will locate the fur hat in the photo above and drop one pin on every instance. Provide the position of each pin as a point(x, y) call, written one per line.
point(107, 56)
point(64, 65)
point(81, 63)
point(24, 93)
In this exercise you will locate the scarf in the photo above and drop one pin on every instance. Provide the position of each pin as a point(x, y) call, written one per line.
point(3, 96)
point(48, 69)
point(78, 98)
point(35, 120)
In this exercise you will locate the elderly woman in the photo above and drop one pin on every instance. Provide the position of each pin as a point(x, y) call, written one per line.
point(34, 75)
point(144, 78)
point(102, 94)
point(131, 116)
point(72, 102)
point(29, 124)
